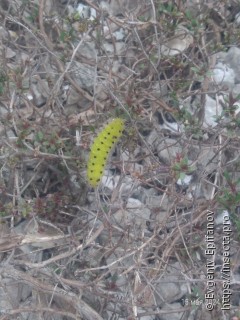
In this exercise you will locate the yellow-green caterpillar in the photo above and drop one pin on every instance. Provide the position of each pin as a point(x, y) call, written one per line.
point(101, 148)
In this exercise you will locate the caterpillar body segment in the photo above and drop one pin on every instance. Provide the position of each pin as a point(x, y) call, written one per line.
point(101, 148)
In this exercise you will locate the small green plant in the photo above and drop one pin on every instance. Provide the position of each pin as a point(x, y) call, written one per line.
point(7, 210)
point(24, 208)
point(66, 36)
point(169, 9)
point(201, 72)
point(142, 18)
point(230, 196)
point(181, 167)
point(33, 15)
point(191, 123)
point(48, 142)
point(24, 131)
point(48, 207)
point(193, 23)
point(230, 104)
point(3, 80)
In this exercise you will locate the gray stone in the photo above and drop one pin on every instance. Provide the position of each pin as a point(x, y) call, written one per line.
point(136, 214)
point(83, 74)
point(172, 315)
point(232, 59)
point(224, 75)
point(166, 148)
point(213, 109)
point(170, 286)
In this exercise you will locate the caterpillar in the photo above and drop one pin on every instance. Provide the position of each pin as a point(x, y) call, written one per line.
point(100, 150)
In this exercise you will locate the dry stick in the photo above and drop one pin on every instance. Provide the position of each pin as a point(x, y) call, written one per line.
point(63, 255)
point(176, 236)
point(183, 240)
point(170, 311)
point(49, 47)
point(127, 255)
point(144, 51)
point(82, 308)
point(156, 32)
point(64, 71)
point(55, 312)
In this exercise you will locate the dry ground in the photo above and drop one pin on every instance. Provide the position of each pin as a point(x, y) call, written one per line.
point(68, 251)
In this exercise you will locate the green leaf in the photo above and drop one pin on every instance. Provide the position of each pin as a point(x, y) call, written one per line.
point(39, 136)
point(182, 175)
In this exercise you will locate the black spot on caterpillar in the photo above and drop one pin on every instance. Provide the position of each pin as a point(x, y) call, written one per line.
point(102, 145)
